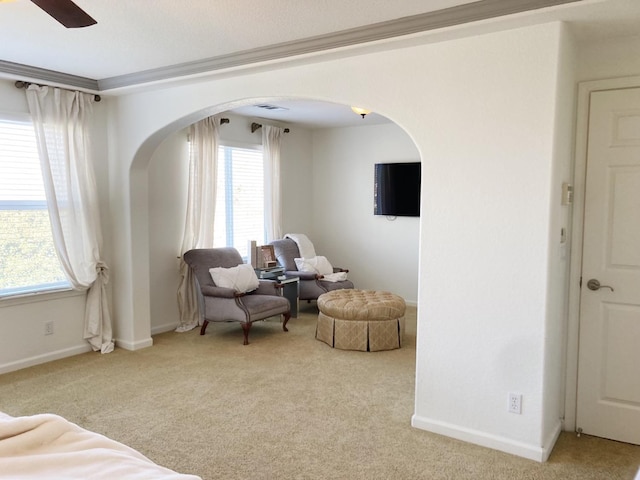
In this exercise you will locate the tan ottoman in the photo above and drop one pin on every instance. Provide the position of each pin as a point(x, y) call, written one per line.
point(366, 320)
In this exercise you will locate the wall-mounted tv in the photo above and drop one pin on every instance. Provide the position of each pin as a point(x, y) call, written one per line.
point(397, 189)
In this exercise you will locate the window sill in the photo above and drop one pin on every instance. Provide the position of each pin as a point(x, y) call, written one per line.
point(43, 296)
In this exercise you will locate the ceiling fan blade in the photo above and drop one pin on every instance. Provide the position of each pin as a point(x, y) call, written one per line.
point(66, 12)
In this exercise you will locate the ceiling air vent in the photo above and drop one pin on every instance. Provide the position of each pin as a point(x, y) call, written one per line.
point(273, 108)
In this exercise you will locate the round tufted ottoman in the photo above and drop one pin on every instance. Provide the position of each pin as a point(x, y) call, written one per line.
point(366, 320)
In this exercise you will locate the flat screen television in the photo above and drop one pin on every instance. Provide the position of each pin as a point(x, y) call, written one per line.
point(397, 189)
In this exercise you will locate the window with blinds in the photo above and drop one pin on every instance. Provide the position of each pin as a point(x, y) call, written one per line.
point(239, 198)
point(28, 261)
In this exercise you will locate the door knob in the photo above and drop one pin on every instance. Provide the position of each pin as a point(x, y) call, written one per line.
point(594, 284)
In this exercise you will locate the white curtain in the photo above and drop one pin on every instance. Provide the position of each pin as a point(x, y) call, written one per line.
point(271, 141)
point(201, 207)
point(62, 122)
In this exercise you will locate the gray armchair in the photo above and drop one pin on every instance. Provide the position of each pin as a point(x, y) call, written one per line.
point(222, 304)
point(311, 284)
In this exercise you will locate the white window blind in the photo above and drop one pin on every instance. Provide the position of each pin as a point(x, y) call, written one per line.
point(240, 198)
point(28, 261)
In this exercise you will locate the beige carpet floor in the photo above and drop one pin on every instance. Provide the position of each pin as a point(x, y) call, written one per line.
point(284, 407)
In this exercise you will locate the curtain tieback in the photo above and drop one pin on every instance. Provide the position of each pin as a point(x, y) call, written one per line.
point(103, 271)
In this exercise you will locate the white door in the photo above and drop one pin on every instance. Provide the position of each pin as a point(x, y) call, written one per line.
point(609, 358)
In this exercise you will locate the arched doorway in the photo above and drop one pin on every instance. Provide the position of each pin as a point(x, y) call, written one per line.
point(327, 183)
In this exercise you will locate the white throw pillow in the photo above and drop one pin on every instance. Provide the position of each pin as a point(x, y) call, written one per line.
point(242, 278)
point(319, 265)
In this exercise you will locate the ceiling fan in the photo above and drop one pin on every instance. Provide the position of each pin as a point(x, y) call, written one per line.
point(66, 12)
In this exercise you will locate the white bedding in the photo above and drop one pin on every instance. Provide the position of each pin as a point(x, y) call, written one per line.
point(49, 447)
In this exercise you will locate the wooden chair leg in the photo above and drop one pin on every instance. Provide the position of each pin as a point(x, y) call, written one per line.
point(287, 316)
point(204, 327)
point(245, 329)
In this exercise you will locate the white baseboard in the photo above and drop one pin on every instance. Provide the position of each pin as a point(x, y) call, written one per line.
point(551, 441)
point(168, 327)
point(496, 442)
point(44, 358)
point(139, 345)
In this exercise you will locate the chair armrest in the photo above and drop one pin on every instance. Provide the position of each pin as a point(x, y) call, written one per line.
point(302, 275)
point(209, 291)
point(266, 287)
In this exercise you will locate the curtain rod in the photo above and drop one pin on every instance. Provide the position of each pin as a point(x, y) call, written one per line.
point(223, 120)
point(25, 85)
point(255, 126)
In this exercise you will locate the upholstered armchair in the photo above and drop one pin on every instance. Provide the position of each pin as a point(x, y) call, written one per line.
point(312, 284)
point(228, 304)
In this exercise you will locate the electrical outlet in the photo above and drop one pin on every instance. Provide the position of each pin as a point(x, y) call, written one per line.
point(515, 403)
point(48, 328)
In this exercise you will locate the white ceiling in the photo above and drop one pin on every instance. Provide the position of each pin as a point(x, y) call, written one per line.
point(134, 38)
point(137, 35)
point(311, 114)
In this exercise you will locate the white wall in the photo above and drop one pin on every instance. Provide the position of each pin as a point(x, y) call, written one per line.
point(559, 251)
point(485, 236)
point(296, 156)
point(12, 99)
point(608, 58)
point(481, 112)
point(168, 177)
point(22, 339)
point(380, 254)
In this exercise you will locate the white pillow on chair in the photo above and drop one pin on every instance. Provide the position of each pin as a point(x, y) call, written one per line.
point(242, 278)
point(319, 265)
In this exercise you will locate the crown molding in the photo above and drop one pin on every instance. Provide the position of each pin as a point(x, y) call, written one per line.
point(35, 74)
point(458, 15)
